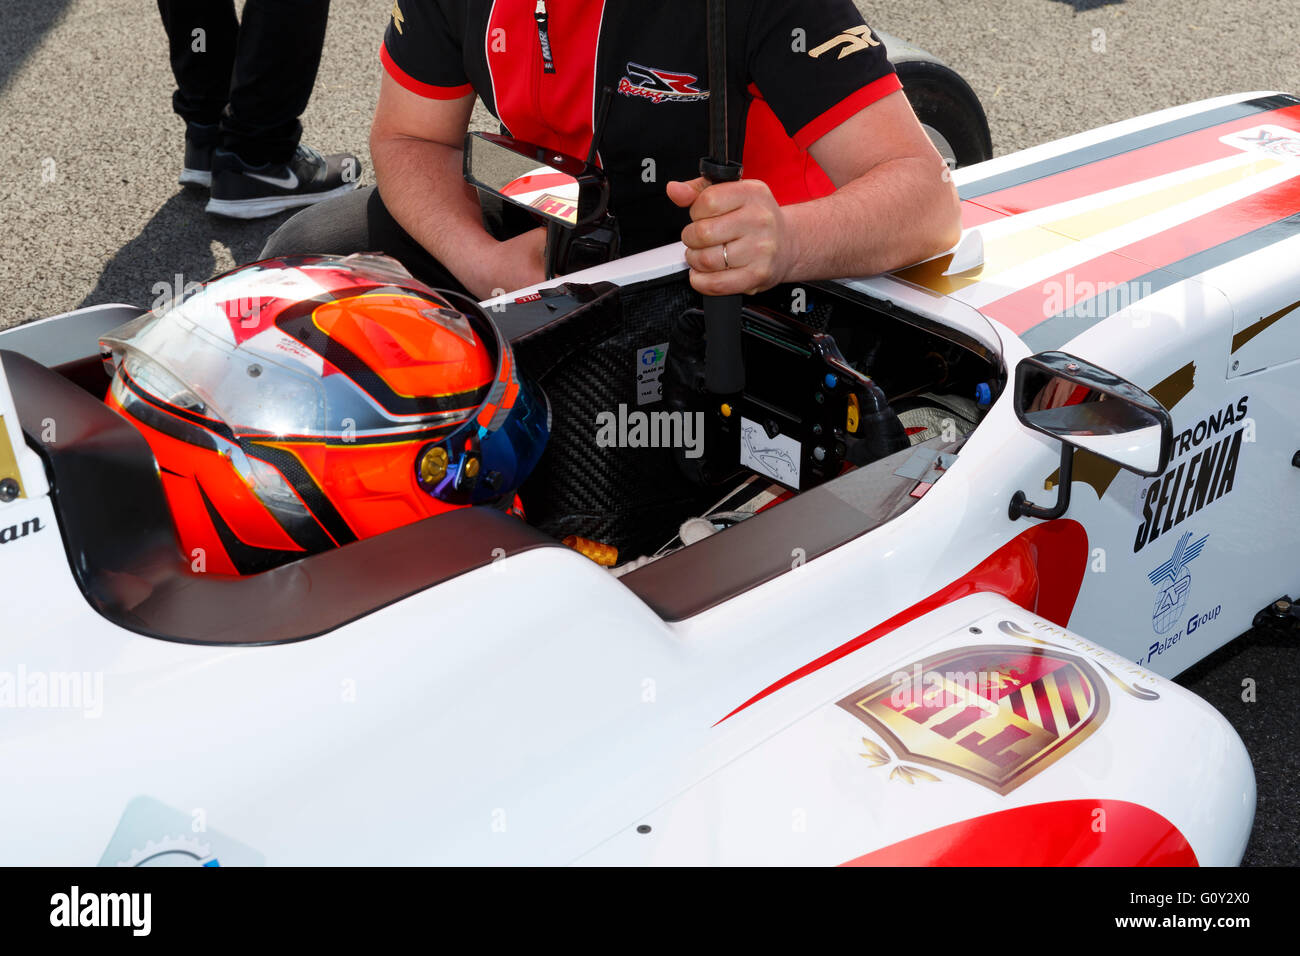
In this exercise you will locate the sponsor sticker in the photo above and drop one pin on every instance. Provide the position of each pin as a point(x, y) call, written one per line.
point(20, 529)
point(1277, 142)
point(650, 364)
point(1202, 469)
point(994, 714)
point(151, 833)
point(1173, 583)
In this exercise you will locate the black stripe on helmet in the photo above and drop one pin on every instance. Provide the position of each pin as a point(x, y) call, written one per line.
point(247, 558)
point(164, 416)
point(300, 479)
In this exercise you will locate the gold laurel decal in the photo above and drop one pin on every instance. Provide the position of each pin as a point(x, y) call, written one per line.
point(878, 756)
point(1141, 693)
point(875, 755)
point(911, 774)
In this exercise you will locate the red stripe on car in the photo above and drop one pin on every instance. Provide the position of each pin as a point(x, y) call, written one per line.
point(1041, 569)
point(1060, 833)
point(1167, 156)
point(973, 214)
point(1024, 309)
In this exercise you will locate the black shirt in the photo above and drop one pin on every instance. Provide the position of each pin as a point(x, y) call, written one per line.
point(809, 63)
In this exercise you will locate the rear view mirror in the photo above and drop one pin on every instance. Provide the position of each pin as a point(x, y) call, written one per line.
point(560, 188)
point(1084, 406)
point(1087, 407)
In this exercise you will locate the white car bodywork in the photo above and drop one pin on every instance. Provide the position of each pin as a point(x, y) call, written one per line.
point(535, 710)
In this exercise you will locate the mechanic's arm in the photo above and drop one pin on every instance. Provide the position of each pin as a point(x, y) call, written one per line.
point(416, 144)
point(893, 205)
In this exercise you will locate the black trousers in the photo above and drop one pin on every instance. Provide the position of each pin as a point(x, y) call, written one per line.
point(253, 77)
point(359, 222)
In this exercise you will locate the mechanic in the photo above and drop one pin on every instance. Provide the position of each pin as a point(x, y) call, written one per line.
point(840, 177)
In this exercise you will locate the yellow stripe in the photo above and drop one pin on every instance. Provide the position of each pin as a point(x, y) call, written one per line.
point(1031, 705)
point(1054, 701)
point(1095, 221)
point(1000, 254)
point(9, 458)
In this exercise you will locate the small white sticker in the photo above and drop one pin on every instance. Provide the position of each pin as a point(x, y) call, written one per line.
point(649, 369)
point(778, 457)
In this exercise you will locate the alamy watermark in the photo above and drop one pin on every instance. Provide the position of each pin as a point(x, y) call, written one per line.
point(637, 429)
point(71, 690)
point(935, 690)
point(1091, 300)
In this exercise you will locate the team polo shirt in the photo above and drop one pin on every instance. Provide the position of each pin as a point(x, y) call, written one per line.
point(796, 70)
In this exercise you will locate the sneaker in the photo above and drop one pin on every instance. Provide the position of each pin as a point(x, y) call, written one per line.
point(200, 141)
point(242, 191)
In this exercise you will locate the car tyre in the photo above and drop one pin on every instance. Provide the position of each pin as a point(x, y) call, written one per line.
point(949, 111)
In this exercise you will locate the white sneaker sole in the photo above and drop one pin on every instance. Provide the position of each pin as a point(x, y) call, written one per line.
point(196, 177)
point(270, 205)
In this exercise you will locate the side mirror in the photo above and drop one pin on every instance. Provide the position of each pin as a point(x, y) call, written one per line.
point(1084, 406)
point(564, 190)
point(1090, 408)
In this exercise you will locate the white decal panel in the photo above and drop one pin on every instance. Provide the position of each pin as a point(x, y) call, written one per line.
point(1277, 142)
point(777, 457)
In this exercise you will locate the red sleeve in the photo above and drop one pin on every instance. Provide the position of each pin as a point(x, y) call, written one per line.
point(853, 103)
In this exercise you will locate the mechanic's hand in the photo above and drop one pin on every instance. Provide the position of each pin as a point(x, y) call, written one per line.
point(517, 263)
point(744, 218)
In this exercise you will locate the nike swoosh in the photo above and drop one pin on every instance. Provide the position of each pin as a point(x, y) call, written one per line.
point(288, 181)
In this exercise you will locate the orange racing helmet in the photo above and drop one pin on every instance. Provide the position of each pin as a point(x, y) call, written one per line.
point(298, 404)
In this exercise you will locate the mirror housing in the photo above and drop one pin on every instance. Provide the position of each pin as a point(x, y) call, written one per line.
point(1085, 406)
point(562, 189)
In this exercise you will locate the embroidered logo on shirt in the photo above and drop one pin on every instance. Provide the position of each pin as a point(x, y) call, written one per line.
point(660, 86)
point(850, 41)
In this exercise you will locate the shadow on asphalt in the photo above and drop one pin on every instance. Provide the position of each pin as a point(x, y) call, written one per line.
point(25, 23)
point(178, 242)
point(1082, 6)
point(1254, 681)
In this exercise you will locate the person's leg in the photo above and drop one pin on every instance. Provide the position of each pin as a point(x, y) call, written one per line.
point(260, 168)
point(275, 64)
point(357, 222)
point(201, 36)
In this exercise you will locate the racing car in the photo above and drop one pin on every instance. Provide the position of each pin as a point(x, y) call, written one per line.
point(949, 649)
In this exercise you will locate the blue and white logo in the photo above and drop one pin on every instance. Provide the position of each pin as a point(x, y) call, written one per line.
point(151, 833)
point(650, 369)
point(1174, 582)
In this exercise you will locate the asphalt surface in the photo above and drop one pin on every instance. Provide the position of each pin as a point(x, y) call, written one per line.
point(90, 211)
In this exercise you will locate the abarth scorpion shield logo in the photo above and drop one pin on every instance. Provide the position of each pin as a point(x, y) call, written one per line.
point(996, 715)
